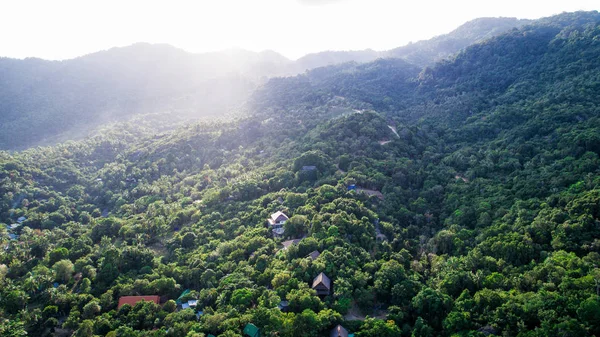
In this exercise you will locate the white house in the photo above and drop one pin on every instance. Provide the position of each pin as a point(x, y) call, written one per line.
point(276, 222)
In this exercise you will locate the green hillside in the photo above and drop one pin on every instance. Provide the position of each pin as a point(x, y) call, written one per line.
point(458, 200)
point(47, 102)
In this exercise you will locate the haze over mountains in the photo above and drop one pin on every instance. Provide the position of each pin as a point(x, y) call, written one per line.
point(42, 102)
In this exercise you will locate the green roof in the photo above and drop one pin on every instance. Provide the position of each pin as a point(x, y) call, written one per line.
point(210, 335)
point(251, 330)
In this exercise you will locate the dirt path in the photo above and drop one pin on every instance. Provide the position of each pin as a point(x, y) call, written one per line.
point(394, 130)
point(354, 314)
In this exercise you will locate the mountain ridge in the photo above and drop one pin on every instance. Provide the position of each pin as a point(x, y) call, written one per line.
point(54, 100)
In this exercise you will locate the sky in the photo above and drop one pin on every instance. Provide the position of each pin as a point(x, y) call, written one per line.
point(63, 29)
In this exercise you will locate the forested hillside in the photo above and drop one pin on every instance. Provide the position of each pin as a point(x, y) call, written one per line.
point(427, 52)
point(458, 200)
point(421, 53)
point(45, 102)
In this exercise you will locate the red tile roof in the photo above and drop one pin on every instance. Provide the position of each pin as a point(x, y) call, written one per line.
point(132, 300)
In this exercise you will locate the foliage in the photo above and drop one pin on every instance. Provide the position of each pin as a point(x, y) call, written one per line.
point(474, 209)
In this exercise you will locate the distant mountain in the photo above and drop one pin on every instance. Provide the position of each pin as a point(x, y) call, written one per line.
point(421, 53)
point(427, 52)
point(43, 102)
point(327, 58)
point(518, 79)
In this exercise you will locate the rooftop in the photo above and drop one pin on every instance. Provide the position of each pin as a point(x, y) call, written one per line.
point(289, 243)
point(314, 254)
point(251, 330)
point(322, 278)
point(283, 305)
point(339, 331)
point(132, 300)
point(277, 214)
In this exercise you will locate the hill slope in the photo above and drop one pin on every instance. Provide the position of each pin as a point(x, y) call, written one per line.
point(43, 99)
point(427, 52)
point(421, 53)
point(44, 102)
point(459, 200)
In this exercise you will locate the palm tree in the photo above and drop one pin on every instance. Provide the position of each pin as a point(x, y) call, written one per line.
point(31, 284)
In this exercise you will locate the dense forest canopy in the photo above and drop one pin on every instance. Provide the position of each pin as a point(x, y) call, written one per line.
point(462, 199)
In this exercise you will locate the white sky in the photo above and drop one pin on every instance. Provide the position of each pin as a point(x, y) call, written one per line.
point(62, 29)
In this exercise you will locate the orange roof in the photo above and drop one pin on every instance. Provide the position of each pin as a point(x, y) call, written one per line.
point(132, 300)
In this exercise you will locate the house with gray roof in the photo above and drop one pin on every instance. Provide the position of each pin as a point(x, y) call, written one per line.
point(322, 284)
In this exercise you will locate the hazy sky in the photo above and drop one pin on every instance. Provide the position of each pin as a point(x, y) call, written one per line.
point(61, 29)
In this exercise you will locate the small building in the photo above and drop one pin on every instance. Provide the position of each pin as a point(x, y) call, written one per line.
point(278, 218)
point(192, 303)
point(339, 331)
point(314, 255)
point(352, 187)
point(251, 330)
point(309, 172)
point(322, 284)
point(284, 306)
point(276, 222)
point(287, 244)
point(132, 300)
point(21, 219)
point(370, 193)
point(487, 330)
